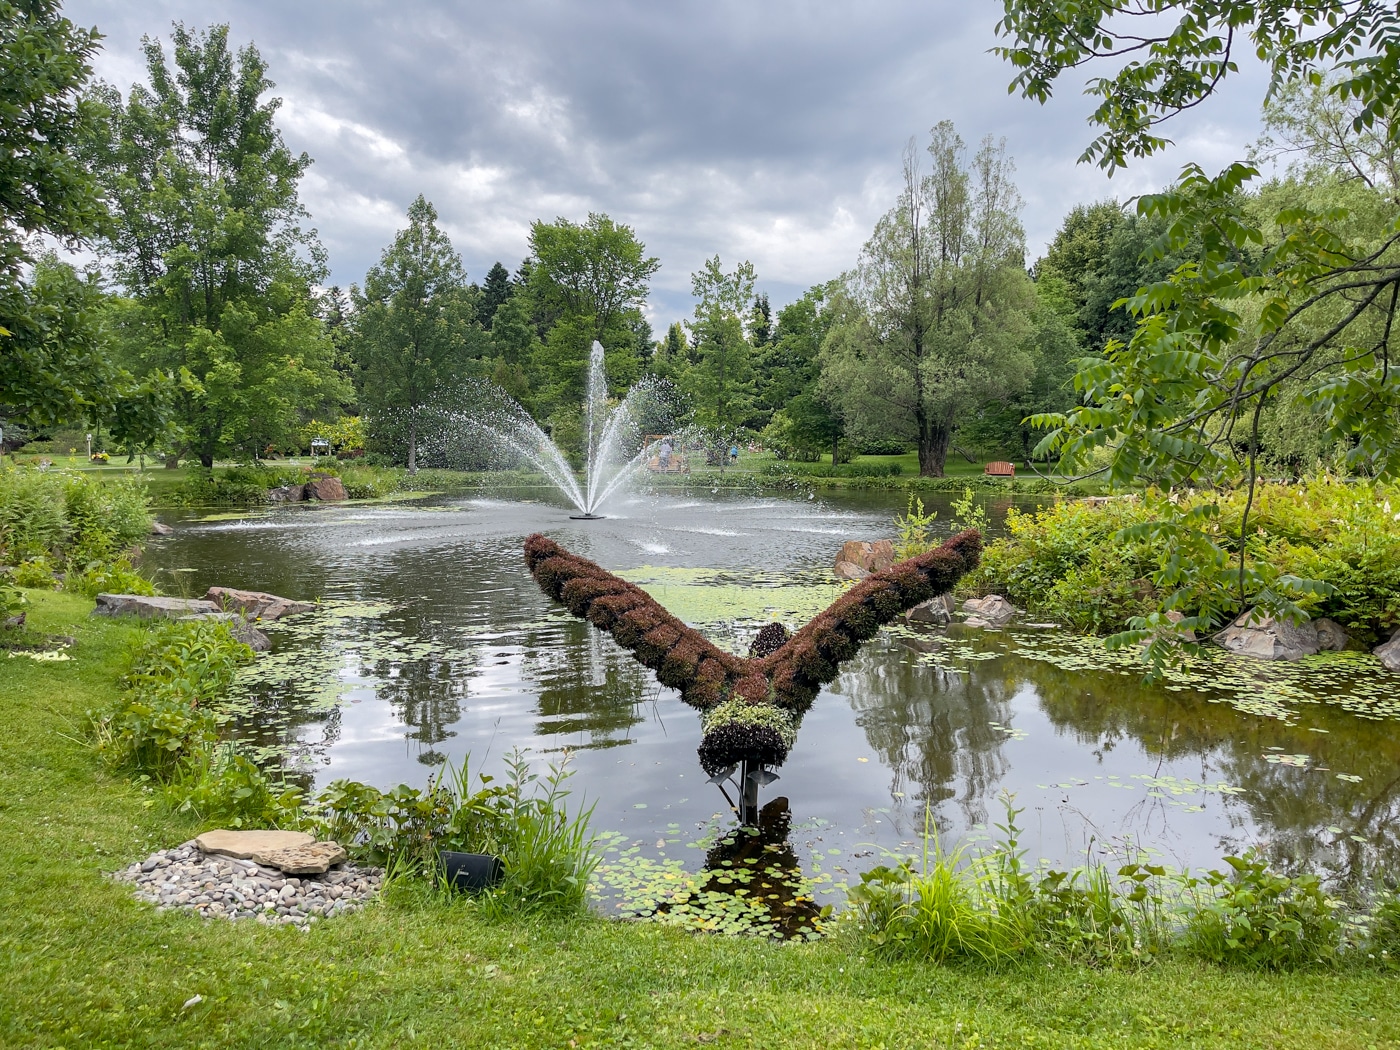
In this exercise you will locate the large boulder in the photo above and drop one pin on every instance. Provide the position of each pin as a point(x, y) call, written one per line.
point(244, 844)
point(255, 605)
point(1332, 635)
point(149, 606)
point(326, 488)
point(937, 611)
point(159, 528)
point(287, 494)
point(1389, 653)
point(872, 557)
point(1261, 636)
point(991, 611)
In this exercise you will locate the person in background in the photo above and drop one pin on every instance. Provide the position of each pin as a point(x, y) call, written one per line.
point(665, 454)
point(734, 453)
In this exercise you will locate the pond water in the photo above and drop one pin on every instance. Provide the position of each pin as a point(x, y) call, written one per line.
point(433, 643)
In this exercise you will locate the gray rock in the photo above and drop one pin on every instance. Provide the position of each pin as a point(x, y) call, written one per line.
point(1389, 653)
point(1264, 638)
point(151, 606)
point(244, 844)
point(992, 611)
point(937, 611)
point(159, 528)
point(250, 636)
point(1331, 635)
point(287, 494)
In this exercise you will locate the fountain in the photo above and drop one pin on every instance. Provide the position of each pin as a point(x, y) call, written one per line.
point(504, 423)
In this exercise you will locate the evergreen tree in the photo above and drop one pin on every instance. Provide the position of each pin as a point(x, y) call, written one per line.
point(494, 292)
point(414, 330)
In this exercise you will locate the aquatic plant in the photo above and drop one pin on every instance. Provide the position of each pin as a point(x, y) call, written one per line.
point(786, 680)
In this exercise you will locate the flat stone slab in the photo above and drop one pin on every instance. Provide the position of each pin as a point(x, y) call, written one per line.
point(244, 844)
point(256, 605)
point(148, 606)
point(312, 859)
point(991, 611)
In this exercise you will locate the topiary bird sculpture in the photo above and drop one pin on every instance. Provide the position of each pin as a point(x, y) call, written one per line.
point(751, 707)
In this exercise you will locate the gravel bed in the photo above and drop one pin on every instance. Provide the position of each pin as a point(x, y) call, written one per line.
point(218, 887)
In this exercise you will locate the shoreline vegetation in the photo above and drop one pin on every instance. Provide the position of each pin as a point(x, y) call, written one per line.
point(117, 748)
point(86, 964)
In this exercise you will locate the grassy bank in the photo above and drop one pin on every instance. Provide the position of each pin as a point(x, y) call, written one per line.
point(84, 964)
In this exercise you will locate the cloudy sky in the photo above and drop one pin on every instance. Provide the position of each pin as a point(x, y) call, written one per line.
point(770, 132)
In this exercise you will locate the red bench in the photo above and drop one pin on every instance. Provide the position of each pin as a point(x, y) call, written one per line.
point(1000, 469)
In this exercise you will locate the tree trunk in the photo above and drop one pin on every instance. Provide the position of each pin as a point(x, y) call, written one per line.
point(172, 462)
point(413, 446)
point(835, 449)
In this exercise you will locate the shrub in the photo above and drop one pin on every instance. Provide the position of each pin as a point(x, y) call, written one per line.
point(168, 710)
point(1258, 918)
point(1095, 565)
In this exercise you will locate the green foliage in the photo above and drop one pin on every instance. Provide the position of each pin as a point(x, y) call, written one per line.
point(1097, 565)
point(547, 854)
point(915, 530)
point(220, 787)
point(936, 319)
point(414, 331)
point(1255, 917)
point(52, 521)
point(168, 710)
point(1383, 932)
point(203, 234)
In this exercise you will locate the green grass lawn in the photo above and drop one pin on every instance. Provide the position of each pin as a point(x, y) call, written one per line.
point(83, 964)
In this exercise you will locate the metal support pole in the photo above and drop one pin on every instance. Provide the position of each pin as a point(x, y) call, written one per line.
point(748, 793)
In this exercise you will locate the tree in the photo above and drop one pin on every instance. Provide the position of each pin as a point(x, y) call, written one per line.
point(414, 329)
point(204, 234)
point(803, 421)
point(496, 291)
point(720, 380)
point(1280, 298)
point(54, 365)
point(587, 282)
point(936, 316)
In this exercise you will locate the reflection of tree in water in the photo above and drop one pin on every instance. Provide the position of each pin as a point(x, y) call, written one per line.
point(1291, 806)
point(587, 684)
point(930, 726)
point(426, 695)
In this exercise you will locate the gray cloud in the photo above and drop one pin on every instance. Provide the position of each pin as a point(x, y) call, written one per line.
point(770, 132)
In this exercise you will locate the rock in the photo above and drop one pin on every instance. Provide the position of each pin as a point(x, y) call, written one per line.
point(325, 489)
point(872, 557)
point(977, 621)
point(1390, 652)
point(244, 844)
point(159, 528)
point(250, 636)
point(287, 494)
point(849, 570)
point(146, 606)
point(1264, 638)
point(937, 610)
point(1331, 635)
point(312, 859)
point(991, 611)
point(257, 605)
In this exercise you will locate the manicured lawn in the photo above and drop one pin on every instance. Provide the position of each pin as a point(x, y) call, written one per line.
point(82, 964)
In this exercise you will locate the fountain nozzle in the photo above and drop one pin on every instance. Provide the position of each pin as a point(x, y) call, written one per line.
point(587, 517)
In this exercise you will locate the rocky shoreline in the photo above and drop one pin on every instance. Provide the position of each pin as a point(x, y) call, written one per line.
point(223, 887)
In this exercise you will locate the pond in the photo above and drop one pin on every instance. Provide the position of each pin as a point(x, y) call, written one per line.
point(433, 643)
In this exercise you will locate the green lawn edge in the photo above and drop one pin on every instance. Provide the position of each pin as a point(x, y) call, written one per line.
point(82, 963)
